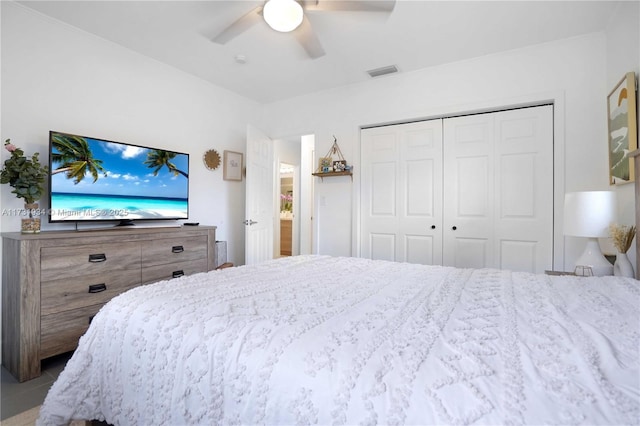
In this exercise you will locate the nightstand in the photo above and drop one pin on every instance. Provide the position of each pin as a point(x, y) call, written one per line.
point(559, 273)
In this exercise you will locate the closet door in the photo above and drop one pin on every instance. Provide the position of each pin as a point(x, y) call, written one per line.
point(401, 193)
point(499, 190)
point(469, 188)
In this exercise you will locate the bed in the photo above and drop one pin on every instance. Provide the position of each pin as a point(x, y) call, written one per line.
point(331, 340)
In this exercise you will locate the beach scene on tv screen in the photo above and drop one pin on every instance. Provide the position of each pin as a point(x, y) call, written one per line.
point(93, 179)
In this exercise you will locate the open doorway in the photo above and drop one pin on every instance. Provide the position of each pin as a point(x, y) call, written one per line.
point(293, 228)
point(286, 202)
point(262, 195)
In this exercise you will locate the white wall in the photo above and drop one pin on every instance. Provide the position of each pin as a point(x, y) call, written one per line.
point(56, 77)
point(572, 72)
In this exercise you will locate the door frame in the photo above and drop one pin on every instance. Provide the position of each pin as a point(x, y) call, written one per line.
point(555, 98)
point(303, 243)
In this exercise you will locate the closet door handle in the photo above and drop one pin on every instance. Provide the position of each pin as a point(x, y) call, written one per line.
point(454, 227)
point(433, 227)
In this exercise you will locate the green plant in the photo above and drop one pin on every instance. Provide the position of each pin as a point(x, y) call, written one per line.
point(26, 176)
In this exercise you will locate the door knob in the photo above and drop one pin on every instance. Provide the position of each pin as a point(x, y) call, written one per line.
point(433, 227)
point(454, 227)
point(249, 222)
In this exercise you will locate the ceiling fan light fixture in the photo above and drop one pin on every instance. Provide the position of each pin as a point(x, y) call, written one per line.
point(283, 15)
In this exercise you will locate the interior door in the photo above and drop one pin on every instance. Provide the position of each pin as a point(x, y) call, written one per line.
point(401, 193)
point(499, 190)
point(469, 191)
point(523, 236)
point(260, 196)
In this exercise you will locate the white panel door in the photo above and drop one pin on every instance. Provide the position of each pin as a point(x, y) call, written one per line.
point(401, 192)
point(523, 236)
point(259, 197)
point(468, 191)
point(499, 190)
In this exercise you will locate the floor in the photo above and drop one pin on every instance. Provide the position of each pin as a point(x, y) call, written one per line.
point(17, 397)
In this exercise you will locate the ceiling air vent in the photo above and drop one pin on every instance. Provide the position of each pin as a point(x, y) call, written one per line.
point(383, 71)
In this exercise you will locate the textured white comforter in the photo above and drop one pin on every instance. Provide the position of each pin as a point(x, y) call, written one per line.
point(321, 340)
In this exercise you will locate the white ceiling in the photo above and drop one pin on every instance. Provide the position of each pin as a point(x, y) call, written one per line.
point(417, 34)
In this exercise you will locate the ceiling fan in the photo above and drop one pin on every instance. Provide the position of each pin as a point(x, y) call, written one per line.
point(290, 16)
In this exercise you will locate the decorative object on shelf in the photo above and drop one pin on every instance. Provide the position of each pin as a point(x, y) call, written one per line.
point(583, 271)
point(211, 159)
point(232, 166)
point(339, 166)
point(622, 238)
point(622, 126)
point(26, 177)
point(330, 166)
point(324, 164)
point(589, 214)
point(31, 223)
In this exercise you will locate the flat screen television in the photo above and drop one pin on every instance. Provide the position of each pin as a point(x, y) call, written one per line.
point(94, 179)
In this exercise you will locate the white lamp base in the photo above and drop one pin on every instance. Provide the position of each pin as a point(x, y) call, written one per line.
point(594, 259)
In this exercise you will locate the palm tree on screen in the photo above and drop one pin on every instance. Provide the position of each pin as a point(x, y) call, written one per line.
point(157, 159)
point(75, 158)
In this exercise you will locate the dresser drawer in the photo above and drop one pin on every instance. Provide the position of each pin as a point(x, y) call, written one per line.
point(172, 250)
point(174, 270)
point(60, 332)
point(75, 261)
point(65, 294)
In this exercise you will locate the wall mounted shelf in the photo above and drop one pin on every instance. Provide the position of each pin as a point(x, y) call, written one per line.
point(333, 174)
point(329, 167)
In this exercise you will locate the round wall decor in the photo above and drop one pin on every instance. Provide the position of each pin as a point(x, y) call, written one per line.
point(211, 159)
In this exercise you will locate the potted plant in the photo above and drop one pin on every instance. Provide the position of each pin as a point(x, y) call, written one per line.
point(622, 238)
point(26, 176)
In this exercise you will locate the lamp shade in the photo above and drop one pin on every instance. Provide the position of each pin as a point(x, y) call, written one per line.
point(589, 213)
point(283, 15)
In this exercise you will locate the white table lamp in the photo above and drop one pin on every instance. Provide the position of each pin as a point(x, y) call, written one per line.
point(589, 214)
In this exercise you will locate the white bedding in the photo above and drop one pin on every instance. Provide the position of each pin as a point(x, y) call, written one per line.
point(322, 340)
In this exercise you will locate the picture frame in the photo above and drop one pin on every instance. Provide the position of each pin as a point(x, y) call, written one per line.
point(232, 166)
point(622, 130)
point(339, 166)
point(325, 164)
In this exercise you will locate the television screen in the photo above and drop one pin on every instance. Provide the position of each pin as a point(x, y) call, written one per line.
point(95, 179)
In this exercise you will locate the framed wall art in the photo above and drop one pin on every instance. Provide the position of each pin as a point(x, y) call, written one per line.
point(325, 165)
point(232, 165)
point(622, 130)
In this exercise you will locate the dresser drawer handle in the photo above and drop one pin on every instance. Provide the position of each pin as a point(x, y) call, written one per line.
point(96, 258)
point(177, 274)
point(97, 288)
point(177, 249)
point(91, 318)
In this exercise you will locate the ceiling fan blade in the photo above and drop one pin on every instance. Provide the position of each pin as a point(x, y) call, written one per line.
point(241, 25)
point(308, 39)
point(351, 5)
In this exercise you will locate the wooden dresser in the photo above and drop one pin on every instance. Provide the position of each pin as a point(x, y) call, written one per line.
point(53, 283)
